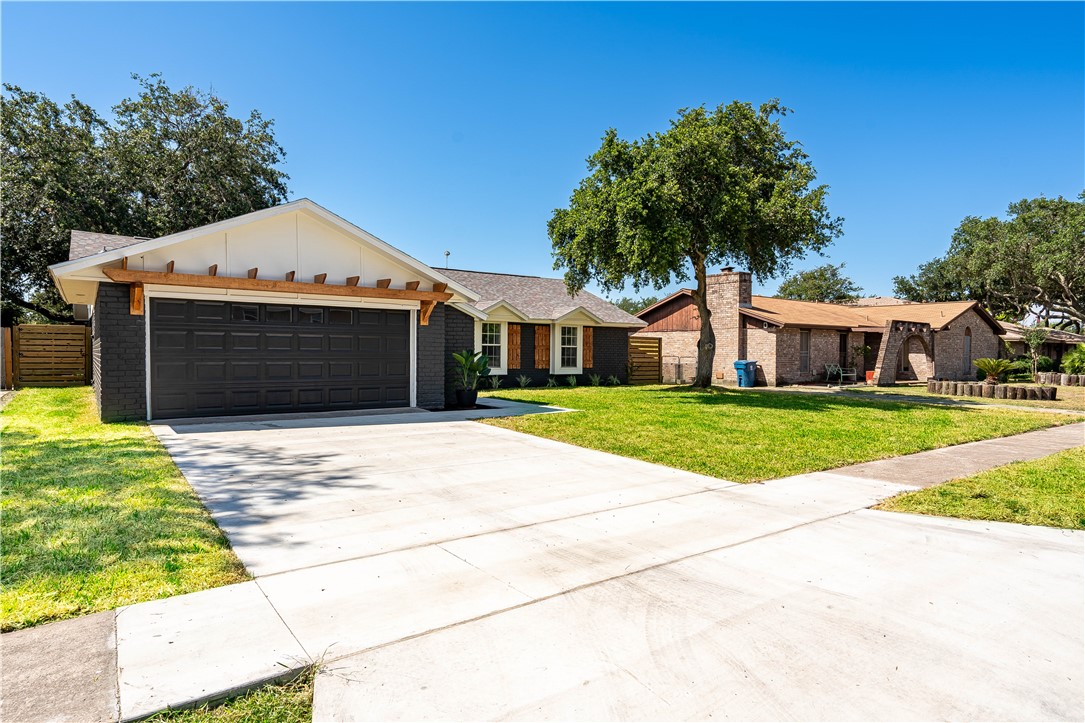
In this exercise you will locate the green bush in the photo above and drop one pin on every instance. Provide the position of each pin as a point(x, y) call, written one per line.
point(524, 381)
point(595, 379)
point(993, 369)
point(570, 380)
point(614, 381)
point(1073, 362)
point(1044, 364)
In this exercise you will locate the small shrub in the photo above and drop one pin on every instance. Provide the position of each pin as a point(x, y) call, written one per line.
point(614, 381)
point(524, 381)
point(570, 380)
point(1044, 364)
point(595, 379)
point(495, 382)
point(551, 382)
point(1073, 362)
point(992, 369)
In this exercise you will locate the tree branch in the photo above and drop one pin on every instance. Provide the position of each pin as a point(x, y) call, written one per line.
point(37, 308)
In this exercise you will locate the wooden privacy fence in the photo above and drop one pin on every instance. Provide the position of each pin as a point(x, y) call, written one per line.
point(645, 360)
point(50, 355)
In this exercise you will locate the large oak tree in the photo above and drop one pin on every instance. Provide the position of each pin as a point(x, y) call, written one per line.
point(1031, 263)
point(169, 161)
point(718, 186)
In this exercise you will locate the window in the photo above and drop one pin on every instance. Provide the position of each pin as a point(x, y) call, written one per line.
point(311, 316)
point(569, 351)
point(804, 350)
point(246, 313)
point(966, 357)
point(491, 342)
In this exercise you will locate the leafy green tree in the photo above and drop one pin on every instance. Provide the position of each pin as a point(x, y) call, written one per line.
point(723, 185)
point(1031, 263)
point(631, 305)
point(170, 160)
point(1034, 338)
point(822, 283)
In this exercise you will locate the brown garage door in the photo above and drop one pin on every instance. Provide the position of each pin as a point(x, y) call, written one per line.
point(210, 358)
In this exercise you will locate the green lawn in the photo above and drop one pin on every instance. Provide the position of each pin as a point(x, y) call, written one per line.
point(95, 515)
point(1048, 491)
point(749, 435)
point(288, 703)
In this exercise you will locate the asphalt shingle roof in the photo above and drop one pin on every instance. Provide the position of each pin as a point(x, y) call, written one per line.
point(88, 243)
point(537, 297)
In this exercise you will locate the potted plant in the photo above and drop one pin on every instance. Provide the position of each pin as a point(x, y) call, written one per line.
point(469, 366)
point(994, 368)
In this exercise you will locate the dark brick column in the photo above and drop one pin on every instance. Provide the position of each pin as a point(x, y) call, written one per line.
point(459, 335)
point(430, 361)
point(119, 356)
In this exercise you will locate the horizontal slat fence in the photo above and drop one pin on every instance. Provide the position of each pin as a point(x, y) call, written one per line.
point(645, 360)
point(51, 355)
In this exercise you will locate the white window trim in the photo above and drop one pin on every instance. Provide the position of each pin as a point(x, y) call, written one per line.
point(555, 349)
point(495, 370)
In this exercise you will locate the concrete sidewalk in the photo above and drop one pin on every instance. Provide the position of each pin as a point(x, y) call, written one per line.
point(601, 610)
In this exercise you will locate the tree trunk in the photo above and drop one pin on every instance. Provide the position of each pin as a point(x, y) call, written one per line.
point(706, 344)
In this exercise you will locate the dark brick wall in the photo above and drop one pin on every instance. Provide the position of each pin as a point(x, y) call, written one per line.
point(611, 353)
point(611, 357)
point(430, 361)
point(459, 335)
point(119, 349)
point(527, 346)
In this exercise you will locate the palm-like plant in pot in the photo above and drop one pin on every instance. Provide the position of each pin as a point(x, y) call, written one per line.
point(994, 368)
point(469, 366)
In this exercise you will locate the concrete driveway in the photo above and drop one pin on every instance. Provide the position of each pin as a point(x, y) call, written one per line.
point(450, 570)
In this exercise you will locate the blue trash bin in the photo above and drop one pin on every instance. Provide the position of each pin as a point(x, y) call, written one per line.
point(746, 369)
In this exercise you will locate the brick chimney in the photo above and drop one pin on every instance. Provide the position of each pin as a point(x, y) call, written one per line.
point(728, 291)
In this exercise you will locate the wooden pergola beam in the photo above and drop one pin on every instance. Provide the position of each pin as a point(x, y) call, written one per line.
point(127, 276)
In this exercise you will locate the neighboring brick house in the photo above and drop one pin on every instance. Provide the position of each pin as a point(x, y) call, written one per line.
point(792, 341)
point(1058, 342)
point(294, 309)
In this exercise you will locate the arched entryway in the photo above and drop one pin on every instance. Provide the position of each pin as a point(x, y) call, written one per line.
point(914, 360)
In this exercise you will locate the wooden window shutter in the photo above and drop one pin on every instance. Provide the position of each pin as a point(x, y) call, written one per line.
point(514, 347)
point(542, 347)
point(589, 354)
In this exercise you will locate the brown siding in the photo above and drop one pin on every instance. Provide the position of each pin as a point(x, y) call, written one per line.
point(515, 360)
point(678, 314)
point(589, 348)
point(542, 347)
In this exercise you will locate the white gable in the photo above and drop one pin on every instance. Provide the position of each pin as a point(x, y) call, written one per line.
point(300, 237)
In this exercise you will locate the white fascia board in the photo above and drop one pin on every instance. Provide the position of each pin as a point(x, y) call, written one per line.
point(67, 267)
point(510, 307)
point(470, 310)
point(582, 310)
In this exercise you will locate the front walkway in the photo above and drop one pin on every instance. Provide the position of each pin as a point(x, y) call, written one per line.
point(609, 589)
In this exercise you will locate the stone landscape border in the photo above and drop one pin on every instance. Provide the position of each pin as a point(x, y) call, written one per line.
point(991, 391)
point(1062, 380)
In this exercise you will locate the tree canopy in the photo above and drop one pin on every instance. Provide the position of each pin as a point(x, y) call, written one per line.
point(632, 305)
point(169, 161)
point(1033, 262)
point(718, 186)
point(822, 283)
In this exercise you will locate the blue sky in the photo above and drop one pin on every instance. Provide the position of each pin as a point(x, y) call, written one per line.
point(461, 127)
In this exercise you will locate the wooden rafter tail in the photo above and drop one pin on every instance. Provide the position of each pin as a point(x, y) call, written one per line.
point(266, 285)
point(440, 288)
point(383, 283)
point(425, 311)
point(412, 285)
point(213, 270)
point(253, 271)
point(124, 263)
point(169, 267)
point(135, 299)
point(353, 280)
point(320, 278)
point(289, 275)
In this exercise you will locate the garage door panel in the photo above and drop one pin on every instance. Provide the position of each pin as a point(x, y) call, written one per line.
point(211, 358)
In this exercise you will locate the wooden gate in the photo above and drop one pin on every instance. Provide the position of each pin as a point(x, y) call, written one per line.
point(645, 360)
point(51, 355)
